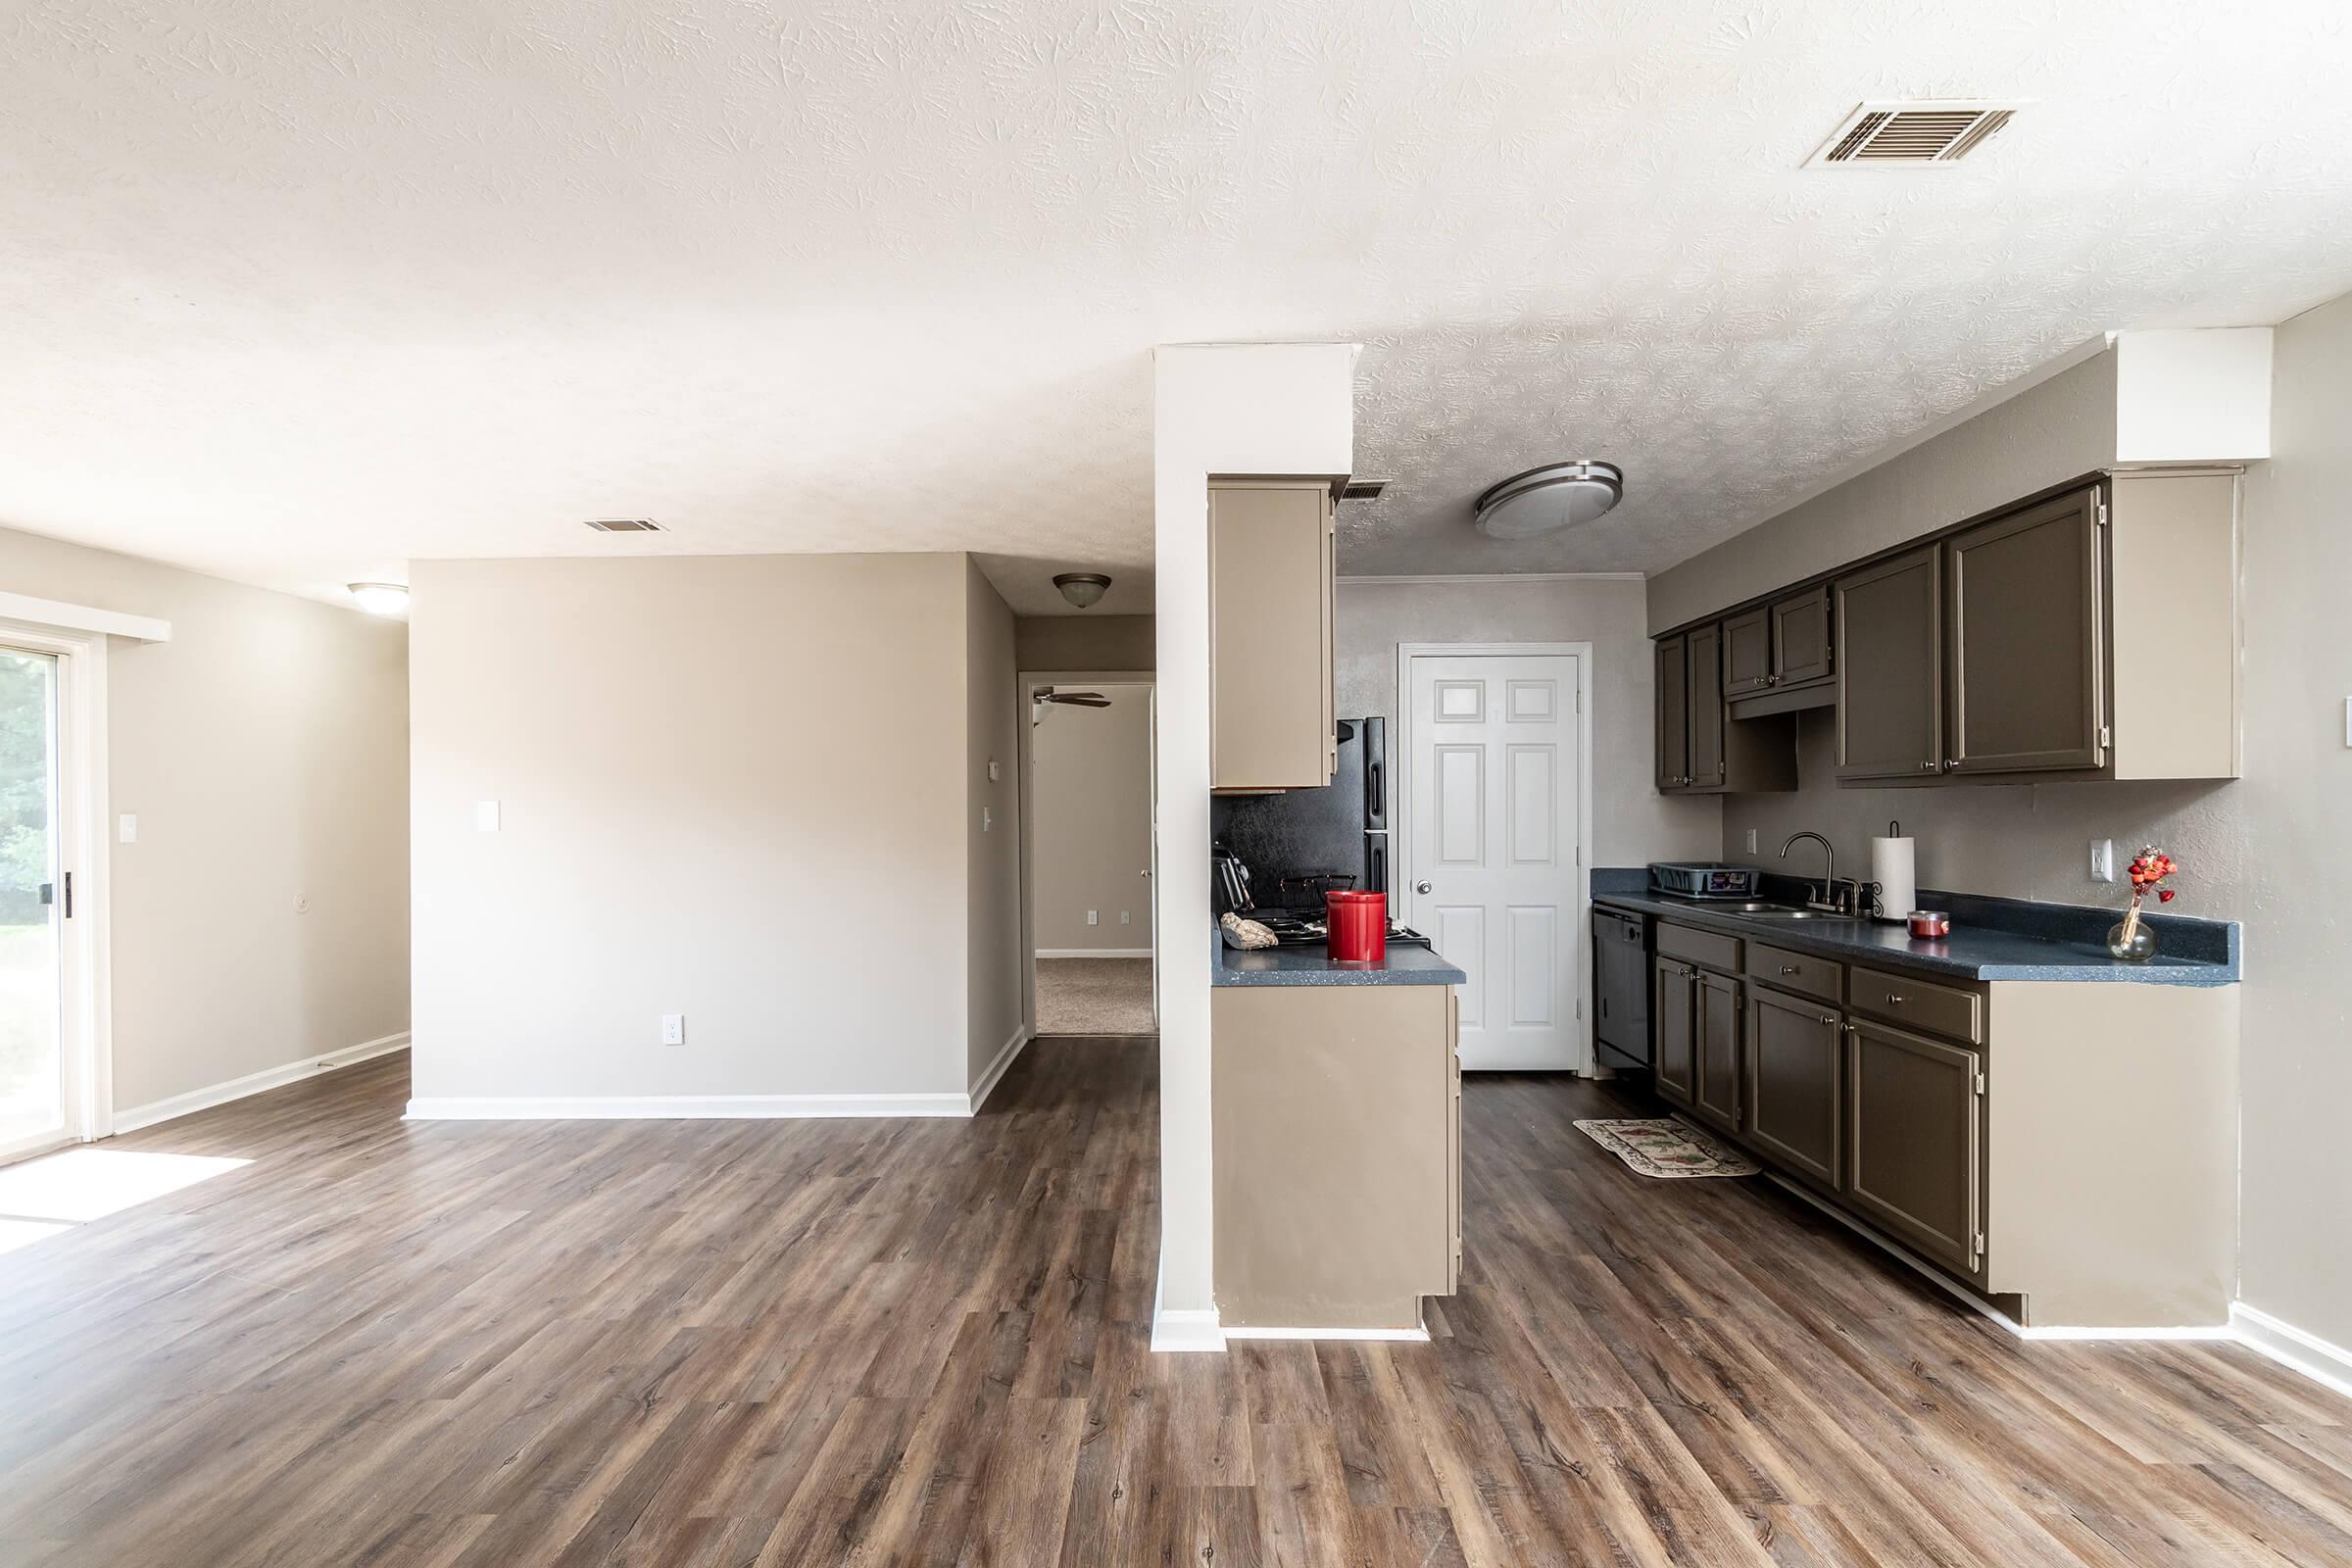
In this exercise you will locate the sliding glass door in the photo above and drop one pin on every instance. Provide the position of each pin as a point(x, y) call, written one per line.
point(36, 1075)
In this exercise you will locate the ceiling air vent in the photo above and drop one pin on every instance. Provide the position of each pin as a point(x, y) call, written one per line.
point(1934, 130)
point(1362, 489)
point(625, 525)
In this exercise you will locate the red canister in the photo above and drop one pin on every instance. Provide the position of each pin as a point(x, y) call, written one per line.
point(1356, 926)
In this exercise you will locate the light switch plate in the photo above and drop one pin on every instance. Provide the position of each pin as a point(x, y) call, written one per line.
point(992, 771)
point(1751, 841)
point(2102, 860)
point(127, 827)
point(485, 816)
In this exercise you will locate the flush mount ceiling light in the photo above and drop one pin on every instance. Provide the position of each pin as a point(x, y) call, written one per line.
point(380, 598)
point(1085, 589)
point(1546, 500)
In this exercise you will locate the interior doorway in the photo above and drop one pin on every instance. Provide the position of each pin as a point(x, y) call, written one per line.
point(1496, 809)
point(1088, 851)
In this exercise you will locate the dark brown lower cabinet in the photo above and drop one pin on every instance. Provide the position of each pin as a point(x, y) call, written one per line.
point(1673, 1027)
point(1796, 1084)
point(1914, 1160)
point(1718, 1095)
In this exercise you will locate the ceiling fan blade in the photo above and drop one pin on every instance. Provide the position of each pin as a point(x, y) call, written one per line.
point(1081, 699)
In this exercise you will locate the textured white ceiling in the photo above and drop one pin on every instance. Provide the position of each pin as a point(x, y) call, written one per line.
point(295, 293)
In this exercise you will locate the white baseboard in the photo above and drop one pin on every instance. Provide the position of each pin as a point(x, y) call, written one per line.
point(2292, 1348)
point(1094, 953)
point(253, 1083)
point(1419, 1336)
point(1190, 1329)
point(682, 1107)
point(986, 1084)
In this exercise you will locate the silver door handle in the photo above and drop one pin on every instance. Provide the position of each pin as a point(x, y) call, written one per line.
point(1420, 886)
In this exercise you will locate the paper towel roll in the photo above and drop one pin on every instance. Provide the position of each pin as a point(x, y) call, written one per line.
point(1892, 867)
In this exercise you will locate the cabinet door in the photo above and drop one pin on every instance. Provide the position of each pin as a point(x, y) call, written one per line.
point(1800, 638)
point(1621, 986)
point(1718, 1095)
point(1453, 1135)
point(1890, 635)
point(1914, 1160)
point(1673, 711)
point(1706, 708)
point(1795, 1082)
point(1269, 636)
point(1674, 1024)
point(1747, 652)
point(2024, 673)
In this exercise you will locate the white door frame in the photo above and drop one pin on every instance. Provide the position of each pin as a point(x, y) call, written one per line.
point(85, 1024)
point(1400, 820)
point(1027, 682)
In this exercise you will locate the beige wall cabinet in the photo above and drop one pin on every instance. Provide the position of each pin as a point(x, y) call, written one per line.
point(2024, 618)
point(1271, 565)
point(1338, 1152)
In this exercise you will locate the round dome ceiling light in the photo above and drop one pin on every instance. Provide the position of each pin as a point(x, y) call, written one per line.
point(1083, 589)
point(1546, 500)
point(380, 598)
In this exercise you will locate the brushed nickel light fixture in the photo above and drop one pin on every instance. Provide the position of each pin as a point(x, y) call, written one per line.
point(380, 598)
point(1083, 589)
point(1546, 500)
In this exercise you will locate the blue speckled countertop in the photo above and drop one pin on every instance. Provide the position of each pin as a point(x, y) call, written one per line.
point(1311, 966)
point(1992, 939)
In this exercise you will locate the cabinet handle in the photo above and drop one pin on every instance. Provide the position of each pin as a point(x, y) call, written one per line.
point(1926, 768)
point(1790, 969)
point(1894, 999)
point(1830, 1018)
point(1949, 764)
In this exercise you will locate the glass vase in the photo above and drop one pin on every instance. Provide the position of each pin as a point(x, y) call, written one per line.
point(2131, 940)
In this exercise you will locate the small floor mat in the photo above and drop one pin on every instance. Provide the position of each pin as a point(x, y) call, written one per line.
point(1666, 1148)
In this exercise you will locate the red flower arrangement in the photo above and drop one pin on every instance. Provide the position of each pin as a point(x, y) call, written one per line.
point(2148, 870)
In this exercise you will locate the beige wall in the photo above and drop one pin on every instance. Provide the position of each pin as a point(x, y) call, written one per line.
point(264, 751)
point(733, 787)
point(2296, 804)
point(1116, 643)
point(995, 960)
point(1091, 790)
point(2045, 435)
point(1632, 825)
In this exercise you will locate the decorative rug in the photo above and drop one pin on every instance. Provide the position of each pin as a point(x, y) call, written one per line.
point(1666, 1148)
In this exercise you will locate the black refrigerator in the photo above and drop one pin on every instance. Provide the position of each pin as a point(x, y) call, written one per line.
point(1303, 844)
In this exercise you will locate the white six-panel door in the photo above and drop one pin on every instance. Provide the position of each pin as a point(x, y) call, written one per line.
point(1493, 866)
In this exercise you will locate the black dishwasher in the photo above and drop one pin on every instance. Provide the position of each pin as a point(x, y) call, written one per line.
point(1621, 990)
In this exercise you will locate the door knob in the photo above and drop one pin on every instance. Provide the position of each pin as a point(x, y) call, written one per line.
point(1420, 886)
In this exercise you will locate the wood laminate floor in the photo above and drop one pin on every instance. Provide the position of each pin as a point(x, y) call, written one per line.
point(791, 1343)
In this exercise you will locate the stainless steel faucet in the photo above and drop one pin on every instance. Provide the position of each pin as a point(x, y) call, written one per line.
point(1829, 898)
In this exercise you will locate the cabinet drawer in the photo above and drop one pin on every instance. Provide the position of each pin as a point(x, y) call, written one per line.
point(1920, 1004)
point(1818, 978)
point(1700, 947)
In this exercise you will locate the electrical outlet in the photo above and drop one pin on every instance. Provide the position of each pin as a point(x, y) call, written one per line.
point(992, 771)
point(1751, 841)
point(988, 819)
point(2102, 860)
point(1126, 918)
point(673, 1028)
point(127, 828)
point(1094, 917)
point(485, 816)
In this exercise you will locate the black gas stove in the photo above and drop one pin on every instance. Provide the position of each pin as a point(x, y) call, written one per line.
point(1297, 929)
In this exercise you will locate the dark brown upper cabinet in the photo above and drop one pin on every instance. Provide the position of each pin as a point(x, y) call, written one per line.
point(1706, 708)
point(1674, 712)
point(1802, 639)
point(2024, 606)
point(1747, 652)
point(1889, 630)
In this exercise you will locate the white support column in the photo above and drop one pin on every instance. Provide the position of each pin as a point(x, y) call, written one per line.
point(1218, 408)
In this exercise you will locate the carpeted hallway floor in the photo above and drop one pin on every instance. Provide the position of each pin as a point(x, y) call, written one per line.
point(1094, 995)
